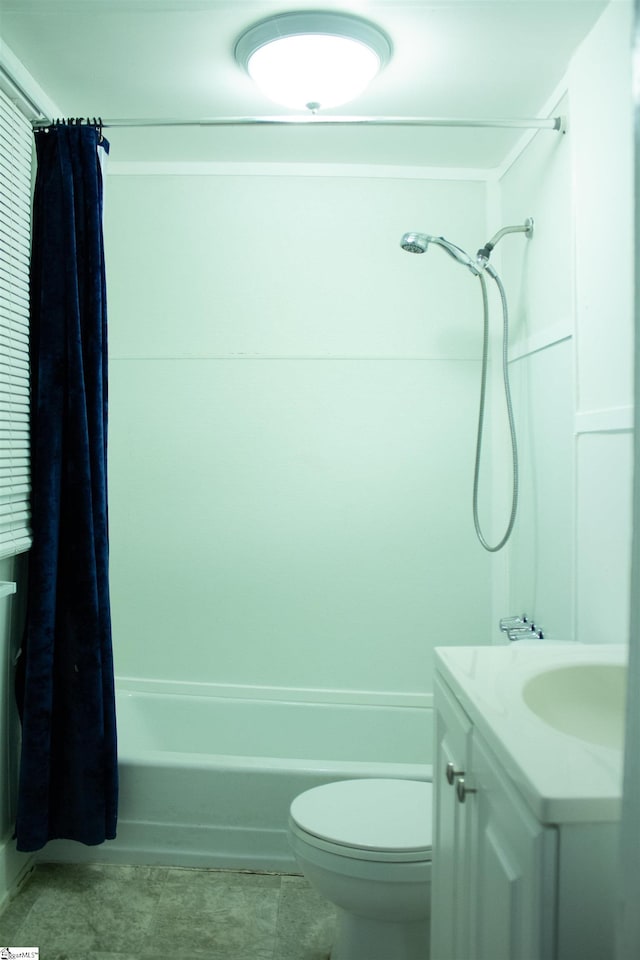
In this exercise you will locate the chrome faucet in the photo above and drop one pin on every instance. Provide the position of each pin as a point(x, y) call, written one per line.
point(514, 623)
point(520, 628)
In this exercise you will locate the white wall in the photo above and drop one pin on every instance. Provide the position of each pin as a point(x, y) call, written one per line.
point(292, 417)
point(603, 177)
point(573, 351)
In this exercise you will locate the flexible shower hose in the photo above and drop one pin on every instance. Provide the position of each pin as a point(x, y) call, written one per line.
point(509, 405)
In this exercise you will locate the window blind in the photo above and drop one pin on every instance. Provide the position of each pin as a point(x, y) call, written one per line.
point(16, 141)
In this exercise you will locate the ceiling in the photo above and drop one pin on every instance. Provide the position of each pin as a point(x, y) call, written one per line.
point(174, 59)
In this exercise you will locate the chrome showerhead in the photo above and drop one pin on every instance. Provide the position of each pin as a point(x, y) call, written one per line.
point(415, 242)
point(418, 243)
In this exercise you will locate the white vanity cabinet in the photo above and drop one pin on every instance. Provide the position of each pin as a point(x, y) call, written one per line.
point(452, 836)
point(494, 864)
point(513, 869)
point(507, 886)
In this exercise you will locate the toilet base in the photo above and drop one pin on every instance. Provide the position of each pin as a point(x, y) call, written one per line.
point(361, 938)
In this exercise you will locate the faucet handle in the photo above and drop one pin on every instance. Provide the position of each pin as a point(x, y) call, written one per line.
point(515, 623)
point(525, 633)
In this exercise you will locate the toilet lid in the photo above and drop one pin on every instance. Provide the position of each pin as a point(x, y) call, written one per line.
point(392, 816)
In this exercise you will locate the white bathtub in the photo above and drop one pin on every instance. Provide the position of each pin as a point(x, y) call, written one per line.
point(207, 780)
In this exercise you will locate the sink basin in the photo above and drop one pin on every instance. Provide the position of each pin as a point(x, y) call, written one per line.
point(554, 716)
point(584, 700)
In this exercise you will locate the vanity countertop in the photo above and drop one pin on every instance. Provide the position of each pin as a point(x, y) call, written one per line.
point(563, 777)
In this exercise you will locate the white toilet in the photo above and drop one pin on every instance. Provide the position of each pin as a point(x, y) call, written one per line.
point(365, 845)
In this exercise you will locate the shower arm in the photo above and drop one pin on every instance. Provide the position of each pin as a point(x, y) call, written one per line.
point(485, 252)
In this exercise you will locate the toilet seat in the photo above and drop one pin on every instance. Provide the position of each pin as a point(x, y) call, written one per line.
point(377, 820)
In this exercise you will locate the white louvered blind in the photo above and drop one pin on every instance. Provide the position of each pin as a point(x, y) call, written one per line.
point(15, 230)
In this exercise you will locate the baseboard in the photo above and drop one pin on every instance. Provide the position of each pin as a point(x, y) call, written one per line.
point(14, 866)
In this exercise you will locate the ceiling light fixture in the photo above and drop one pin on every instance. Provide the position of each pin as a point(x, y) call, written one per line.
point(313, 59)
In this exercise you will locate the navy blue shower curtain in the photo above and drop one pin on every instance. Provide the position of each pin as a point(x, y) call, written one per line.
point(65, 690)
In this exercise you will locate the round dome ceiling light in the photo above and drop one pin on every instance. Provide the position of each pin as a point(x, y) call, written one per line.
point(313, 60)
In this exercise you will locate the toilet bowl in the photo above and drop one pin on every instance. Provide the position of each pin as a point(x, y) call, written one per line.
point(365, 845)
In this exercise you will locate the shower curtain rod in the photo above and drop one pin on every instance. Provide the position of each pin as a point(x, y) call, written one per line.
point(548, 123)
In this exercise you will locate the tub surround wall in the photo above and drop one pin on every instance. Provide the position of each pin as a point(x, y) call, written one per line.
point(293, 405)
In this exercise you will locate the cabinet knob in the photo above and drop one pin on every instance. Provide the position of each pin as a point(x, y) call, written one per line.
point(462, 790)
point(451, 773)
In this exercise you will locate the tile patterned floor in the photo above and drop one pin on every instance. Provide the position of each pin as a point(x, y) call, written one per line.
point(108, 912)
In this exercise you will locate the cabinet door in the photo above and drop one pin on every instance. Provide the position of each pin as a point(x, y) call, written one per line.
point(513, 869)
point(451, 840)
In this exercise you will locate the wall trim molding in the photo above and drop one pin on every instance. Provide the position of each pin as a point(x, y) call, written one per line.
point(550, 337)
point(14, 867)
point(610, 420)
point(369, 171)
point(295, 357)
